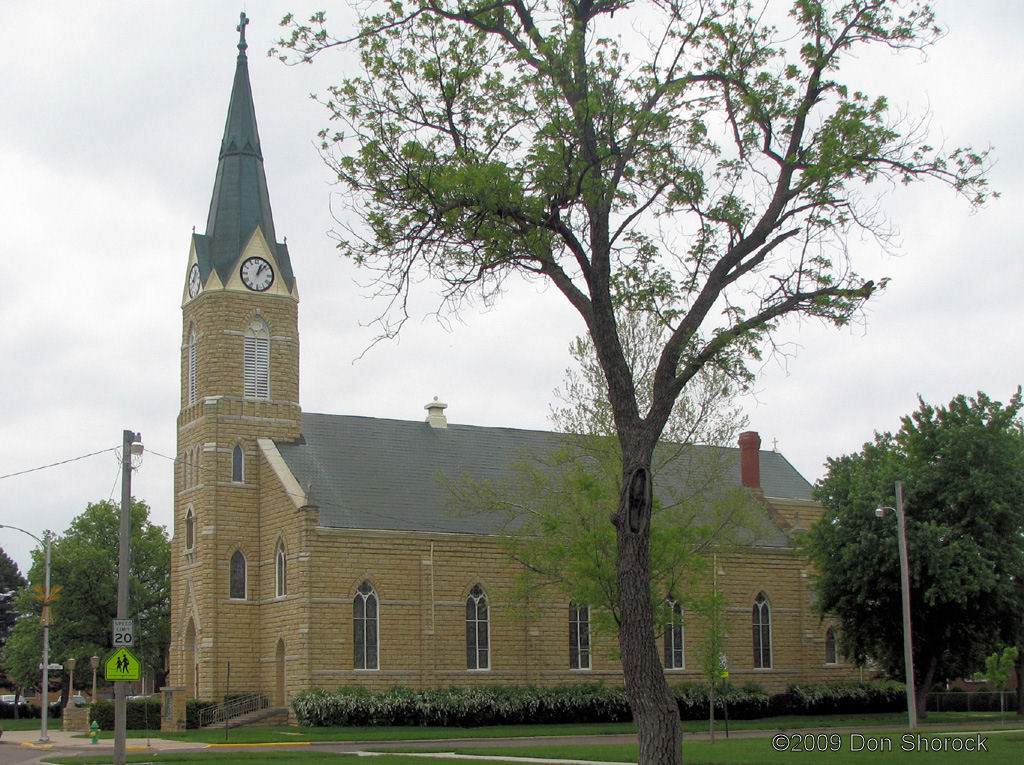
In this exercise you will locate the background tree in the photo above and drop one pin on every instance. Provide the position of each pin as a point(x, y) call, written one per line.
point(83, 562)
point(22, 656)
point(685, 160)
point(962, 468)
point(11, 581)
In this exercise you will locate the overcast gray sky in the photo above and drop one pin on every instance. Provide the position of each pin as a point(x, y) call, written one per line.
point(110, 120)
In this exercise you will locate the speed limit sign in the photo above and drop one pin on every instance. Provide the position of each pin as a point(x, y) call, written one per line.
point(124, 633)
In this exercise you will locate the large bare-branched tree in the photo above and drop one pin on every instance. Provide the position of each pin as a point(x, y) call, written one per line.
point(700, 161)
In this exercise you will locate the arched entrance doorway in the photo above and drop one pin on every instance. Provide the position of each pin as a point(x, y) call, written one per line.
point(279, 699)
point(190, 660)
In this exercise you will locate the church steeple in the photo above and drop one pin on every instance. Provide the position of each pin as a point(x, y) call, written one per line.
point(241, 200)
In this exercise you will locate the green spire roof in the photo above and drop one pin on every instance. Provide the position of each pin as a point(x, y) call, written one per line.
point(241, 201)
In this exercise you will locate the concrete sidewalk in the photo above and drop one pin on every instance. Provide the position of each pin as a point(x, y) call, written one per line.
point(61, 740)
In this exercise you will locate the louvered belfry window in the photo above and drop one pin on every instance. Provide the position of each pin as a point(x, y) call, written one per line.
point(257, 360)
point(193, 385)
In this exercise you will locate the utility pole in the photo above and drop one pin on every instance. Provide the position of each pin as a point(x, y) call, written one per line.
point(131, 443)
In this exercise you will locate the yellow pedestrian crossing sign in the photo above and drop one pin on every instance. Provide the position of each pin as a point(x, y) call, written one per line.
point(122, 665)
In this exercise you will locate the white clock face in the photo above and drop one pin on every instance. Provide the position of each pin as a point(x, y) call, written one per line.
point(194, 284)
point(257, 274)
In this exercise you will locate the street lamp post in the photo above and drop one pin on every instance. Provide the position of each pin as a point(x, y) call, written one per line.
point(908, 646)
point(44, 738)
point(95, 662)
point(70, 664)
point(131, 444)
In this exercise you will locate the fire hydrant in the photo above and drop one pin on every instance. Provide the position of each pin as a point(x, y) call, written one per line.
point(95, 728)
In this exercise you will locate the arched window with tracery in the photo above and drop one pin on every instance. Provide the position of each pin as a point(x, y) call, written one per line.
point(257, 359)
point(478, 630)
point(364, 628)
point(761, 620)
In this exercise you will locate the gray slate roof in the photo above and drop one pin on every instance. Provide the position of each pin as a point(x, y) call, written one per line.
point(372, 473)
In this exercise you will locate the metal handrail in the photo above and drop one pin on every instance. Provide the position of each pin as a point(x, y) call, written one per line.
point(232, 708)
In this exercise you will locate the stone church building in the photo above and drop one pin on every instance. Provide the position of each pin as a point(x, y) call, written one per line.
point(320, 550)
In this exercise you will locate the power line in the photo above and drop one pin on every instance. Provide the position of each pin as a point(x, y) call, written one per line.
point(57, 464)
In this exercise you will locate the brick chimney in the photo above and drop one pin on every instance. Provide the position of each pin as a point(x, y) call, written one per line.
point(750, 459)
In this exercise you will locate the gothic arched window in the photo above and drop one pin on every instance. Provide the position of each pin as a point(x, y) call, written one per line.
point(237, 464)
point(190, 530)
point(281, 571)
point(238, 576)
point(477, 630)
point(257, 359)
point(761, 620)
point(674, 655)
point(364, 628)
point(831, 650)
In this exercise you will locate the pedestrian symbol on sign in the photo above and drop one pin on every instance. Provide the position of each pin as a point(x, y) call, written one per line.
point(123, 665)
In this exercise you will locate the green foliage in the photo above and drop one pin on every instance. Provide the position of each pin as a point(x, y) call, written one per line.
point(23, 653)
point(550, 139)
point(83, 564)
point(556, 506)
point(962, 467)
point(495, 705)
point(688, 162)
point(999, 667)
point(462, 707)
point(841, 698)
point(742, 703)
point(193, 708)
point(140, 714)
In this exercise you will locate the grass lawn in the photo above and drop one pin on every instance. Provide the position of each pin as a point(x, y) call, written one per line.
point(1002, 749)
point(283, 734)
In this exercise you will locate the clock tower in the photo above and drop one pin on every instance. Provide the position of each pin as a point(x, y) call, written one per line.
point(239, 383)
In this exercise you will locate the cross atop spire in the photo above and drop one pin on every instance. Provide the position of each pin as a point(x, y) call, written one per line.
point(241, 202)
point(243, 21)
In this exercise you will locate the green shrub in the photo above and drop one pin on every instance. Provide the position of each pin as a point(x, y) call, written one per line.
point(839, 698)
point(192, 709)
point(498, 705)
point(744, 703)
point(140, 714)
point(461, 707)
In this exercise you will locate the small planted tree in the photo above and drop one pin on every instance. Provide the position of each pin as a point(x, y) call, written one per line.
point(998, 668)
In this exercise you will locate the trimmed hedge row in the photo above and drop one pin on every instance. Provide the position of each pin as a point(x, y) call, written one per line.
point(140, 714)
point(498, 705)
point(26, 711)
point(144, 714)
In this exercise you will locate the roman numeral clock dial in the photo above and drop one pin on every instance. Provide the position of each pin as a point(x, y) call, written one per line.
point(194, 281)
point(257, 274)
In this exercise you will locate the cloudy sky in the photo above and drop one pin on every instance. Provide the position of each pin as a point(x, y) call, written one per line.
point(110, 120)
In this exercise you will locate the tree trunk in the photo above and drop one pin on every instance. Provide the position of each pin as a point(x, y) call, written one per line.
point(1020, 681)
point(925, 687)
point(655, 711)
point(711, 712)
